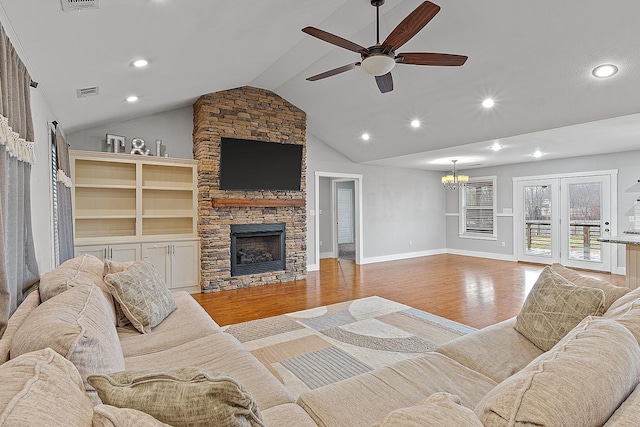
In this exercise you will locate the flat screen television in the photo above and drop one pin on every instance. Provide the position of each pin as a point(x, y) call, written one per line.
point(259, 165)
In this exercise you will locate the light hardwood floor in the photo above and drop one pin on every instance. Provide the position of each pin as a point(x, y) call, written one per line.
point(474, 291)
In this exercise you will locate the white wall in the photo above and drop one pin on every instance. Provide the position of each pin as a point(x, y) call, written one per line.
point(627, 164)
point(174, 128)
point(399, 206)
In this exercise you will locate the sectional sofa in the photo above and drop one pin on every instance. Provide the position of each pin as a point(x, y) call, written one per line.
point(107, 344)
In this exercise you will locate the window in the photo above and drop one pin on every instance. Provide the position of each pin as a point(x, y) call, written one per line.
point(478, 209)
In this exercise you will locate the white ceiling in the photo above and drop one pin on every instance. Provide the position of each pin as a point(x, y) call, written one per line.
point(534, 58)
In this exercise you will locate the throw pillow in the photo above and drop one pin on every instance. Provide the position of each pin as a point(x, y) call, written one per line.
point(117, 267)
point(611, 291)
point(42, 388)
point(182, 397)
point(580, 382)
point(438, 410)
point(554, 307)
point(111, 416)
point(77, 324)
point(142, 294)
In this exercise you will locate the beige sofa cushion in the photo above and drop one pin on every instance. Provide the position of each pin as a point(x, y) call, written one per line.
point(111, 416)
point(580, 382)
point(84, 269)
point(554, 307)
point(627, 312)
point(76, 324)
point(42, 388)
point(15, 321)
point(186, 397)
point(187, 323)
point(438, 410)
point(142, 294)
point(219, 353)
point(368, 398)
point(628, 414)
point(287, 414)
point(611, 291)
point(497, 351)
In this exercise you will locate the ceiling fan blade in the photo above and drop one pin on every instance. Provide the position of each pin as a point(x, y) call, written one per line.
point(333, 72)
point(333, 39)
point(410, 25)
point(385, 82)
point(421, 58)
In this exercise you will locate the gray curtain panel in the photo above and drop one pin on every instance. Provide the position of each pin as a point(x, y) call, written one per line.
point(18, 266)
point(65, 221)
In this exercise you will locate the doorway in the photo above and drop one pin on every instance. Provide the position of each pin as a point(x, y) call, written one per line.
point(338, 216)
point(560, 219)
point(345, 219)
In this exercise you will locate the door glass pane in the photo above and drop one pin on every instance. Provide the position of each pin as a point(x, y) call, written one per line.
point(584, 221)
point(537, 220)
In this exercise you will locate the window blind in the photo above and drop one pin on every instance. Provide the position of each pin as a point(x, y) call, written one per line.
point(478, 207)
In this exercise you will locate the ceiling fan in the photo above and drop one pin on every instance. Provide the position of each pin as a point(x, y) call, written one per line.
point(379, 59)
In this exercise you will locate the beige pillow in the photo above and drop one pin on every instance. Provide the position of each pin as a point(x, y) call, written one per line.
point(77, 324)
point(42, 388)
point(554, 307)
point(142, 295)
point(628, 315)
point(580, 382)
point(182, 397)
point(611, 291)
point(438, 410)
point(111, 416)
point(117, 267)
point(83, 269)
point(15, 321)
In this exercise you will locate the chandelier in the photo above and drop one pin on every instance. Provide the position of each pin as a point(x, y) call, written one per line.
point(454, 181)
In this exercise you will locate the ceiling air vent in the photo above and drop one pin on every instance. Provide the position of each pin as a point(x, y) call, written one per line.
point(87, 91)
point(80, 4)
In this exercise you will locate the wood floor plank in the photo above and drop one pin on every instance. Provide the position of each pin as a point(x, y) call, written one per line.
point(474, 291)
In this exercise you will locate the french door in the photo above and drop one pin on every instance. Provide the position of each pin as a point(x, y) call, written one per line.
point(561, 220)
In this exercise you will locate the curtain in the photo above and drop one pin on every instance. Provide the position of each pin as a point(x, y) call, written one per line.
point(18, 266)
point(64, 222)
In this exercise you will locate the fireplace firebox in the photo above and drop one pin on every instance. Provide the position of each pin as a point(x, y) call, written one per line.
point(257, 248)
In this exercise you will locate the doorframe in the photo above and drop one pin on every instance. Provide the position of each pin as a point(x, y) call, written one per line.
point(613, 173)
point(357, 215)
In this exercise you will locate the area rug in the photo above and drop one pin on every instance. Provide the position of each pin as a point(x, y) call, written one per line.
point(312, 348)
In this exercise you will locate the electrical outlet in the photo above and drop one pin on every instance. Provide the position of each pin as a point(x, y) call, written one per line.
point(320, 242)
point(410, 243)
point(504, 244)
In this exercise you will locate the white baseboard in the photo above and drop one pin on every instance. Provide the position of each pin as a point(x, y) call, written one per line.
point(396, 257)
point(489, 255)
point(324, 255)
point(620, 270)
point(313, 267)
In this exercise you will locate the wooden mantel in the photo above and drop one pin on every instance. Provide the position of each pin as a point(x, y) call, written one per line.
point(220, 202)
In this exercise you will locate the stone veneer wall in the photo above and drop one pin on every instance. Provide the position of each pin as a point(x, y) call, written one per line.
point(245, 113)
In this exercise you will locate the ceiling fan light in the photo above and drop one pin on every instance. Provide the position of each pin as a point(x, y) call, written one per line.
point(378, 65)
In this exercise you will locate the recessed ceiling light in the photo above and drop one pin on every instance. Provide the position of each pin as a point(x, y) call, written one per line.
point(415, 123)
point(488, 103)
point(537, 154)
point(496, 146)
point(132, 98)
point(365, 136)
point(604, 71)
point(139, 63)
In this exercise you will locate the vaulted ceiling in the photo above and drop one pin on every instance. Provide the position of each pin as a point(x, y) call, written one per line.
point(533, 58)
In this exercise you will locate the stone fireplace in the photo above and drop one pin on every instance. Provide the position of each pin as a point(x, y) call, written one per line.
point(224, 216)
